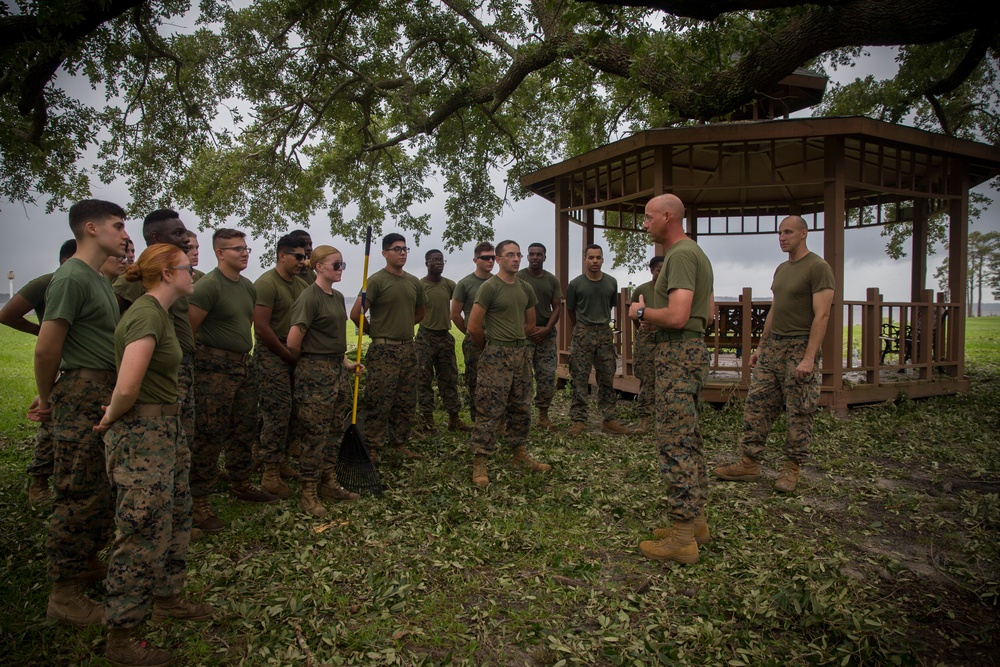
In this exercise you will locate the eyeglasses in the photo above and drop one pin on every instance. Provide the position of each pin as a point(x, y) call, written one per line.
point(240, 249)
point(399, 250)
point(486, 258)
point(189, 268)
point(513, 255)
point(299, 257)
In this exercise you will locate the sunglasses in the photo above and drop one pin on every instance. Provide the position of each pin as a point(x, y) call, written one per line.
point(337, 266)
point(487, 258)
point(299, 257)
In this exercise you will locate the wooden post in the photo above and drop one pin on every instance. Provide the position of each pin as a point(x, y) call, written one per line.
point(563, 333)
point(958, 264)
point(746, 334)
point(923, 335)
point(833, 251)
point(918, 253)
point(871, 328)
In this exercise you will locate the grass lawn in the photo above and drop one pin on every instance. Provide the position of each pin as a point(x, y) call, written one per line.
point(887, 554)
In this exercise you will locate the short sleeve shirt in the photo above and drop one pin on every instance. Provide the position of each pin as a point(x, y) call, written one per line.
point(130, 291)
point(437, 309)
point(197, 275)
point(34, 294)
point(547, 289)
point(83, 298)
point(505, 304)
point(324, 318)
point(465, 292)
point(685, 266)
point(278, 294)
point(146, 317)
point(393, 301)
point(793, 286)
point(229, 304)
point(592, 299)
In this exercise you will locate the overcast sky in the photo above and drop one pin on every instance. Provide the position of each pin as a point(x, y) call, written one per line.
point(31, 238)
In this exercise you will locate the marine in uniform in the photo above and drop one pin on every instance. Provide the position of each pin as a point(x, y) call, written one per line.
point(542, 343)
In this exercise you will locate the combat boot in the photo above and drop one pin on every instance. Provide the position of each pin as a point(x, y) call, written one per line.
point(679, 546)
point(614, 427)
point(203, 517)
point(39, 492)
point(69, 605)
point(332, 490)
point(288, 471)
point(642, 428)
point(701, 534)
point(543, 420)
point(271, 481)
point(455, 423)
point(479, 475)
point(181, 609)
point(788, 478)
point(747, 470)
point(97, 570)
point(523, 459)
point(126, 650)
point(196, 535)
point(243, 490)
point(308, 501)
point(576, 429)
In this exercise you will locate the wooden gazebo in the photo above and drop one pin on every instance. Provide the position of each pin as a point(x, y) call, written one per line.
point(838, 173)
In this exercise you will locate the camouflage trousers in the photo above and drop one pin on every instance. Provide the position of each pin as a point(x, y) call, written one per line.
point(81, 520)
point(471, 353)
point(185, 396)
point(390, 394)
point(773, 388)
point(226, 419)
point(436, 356)
point(319, 394)
point(681, 369)
point(41, 461)
point(503, 392)
point(275, 380)
point(592, 346)
point(644, 355)
point(148, 460)
point(543, 362)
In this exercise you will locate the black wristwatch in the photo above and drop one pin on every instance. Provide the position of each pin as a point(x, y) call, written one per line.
point(639, 313)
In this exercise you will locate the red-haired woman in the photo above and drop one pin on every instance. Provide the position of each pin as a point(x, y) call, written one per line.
point(148, 462)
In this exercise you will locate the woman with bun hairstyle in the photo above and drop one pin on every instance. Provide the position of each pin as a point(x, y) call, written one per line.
point(318, 338)
point(148, 463)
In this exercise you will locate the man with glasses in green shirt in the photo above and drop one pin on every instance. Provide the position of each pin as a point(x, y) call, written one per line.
point(395, 302)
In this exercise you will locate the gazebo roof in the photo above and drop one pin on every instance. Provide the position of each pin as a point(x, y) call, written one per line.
point(763, 168)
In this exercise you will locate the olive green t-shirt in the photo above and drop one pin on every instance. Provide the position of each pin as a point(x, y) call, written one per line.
point(505, 304)
point(547, 288)
point(592, 300)
point(130, 291)
point(685, 266)
point(793, 286)
point(278, 294)
point(197, 275)
point(229, 304)
point(34, 294)
point(324, 318)
point(83, 298)
point(644, 290)
point(146, 317)
point(437, 309)
point(393, 301)
point(465, 292)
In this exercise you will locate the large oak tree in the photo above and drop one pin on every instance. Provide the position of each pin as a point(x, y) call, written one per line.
point(272, 110)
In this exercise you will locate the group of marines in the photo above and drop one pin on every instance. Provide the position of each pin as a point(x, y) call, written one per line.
point(228, 376)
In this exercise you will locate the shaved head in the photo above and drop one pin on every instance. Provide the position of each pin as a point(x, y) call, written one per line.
point(796, 222)
point(670, 204)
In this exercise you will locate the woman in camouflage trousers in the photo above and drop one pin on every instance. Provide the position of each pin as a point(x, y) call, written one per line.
point(318, 337)
point(148, 462)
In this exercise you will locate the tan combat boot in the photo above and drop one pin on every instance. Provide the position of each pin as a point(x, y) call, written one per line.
point(788, 478)
point(701, 534)
point(747, 470)
point(203, 517)
point(67, 604)
point(271, 481)
point(288, 471)
point(39, 492)
point(543, 420)
point(523, 459)
point(309, 502)
point(576, 429)
point(679, 546)
point(479, 476)
point(332, 490)
point(455, 423)
point(614, 427)
point(181, 609)
point(126, 650)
